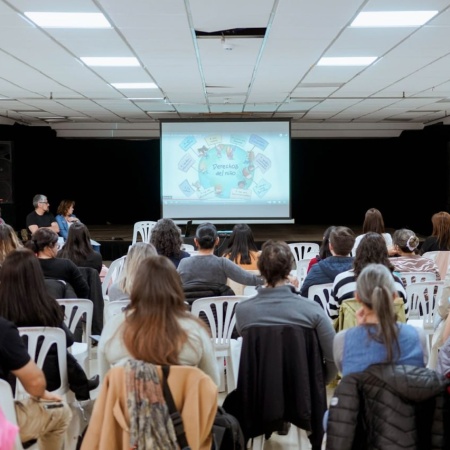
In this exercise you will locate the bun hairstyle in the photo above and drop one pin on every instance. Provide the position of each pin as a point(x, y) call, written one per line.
point(406, 240)
point(206, 235)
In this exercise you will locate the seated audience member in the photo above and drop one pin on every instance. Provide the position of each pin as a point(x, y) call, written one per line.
point(378, 337)
point(373, 221)
point(65, 217)
point(324, 250)
point(41, 217)
point(372, 249)
point(35, 420)
point(78, 248)
point(404, 257)
point(44, 243)
point(341, 242)
point(121, 289)
point(242, 248)
point(31, 306)
point(156, 327)
point(440, 236)
point(208, 269)
point(279, 304)
point(8, 241)
point(166, 237)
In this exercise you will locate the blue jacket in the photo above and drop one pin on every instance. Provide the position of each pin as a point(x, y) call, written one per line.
point(63, 225)
point(325, 270)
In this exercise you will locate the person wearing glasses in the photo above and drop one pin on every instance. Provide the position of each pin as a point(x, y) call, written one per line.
point(41, 217)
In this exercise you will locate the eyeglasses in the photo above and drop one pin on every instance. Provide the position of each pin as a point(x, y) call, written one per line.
point(44, 202)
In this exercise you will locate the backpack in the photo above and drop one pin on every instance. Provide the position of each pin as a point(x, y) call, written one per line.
point(227, 433)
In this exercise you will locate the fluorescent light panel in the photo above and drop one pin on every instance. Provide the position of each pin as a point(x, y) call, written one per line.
point(134, 85)
point(68, 20)
point(392, 18)
point(347, 61)
point(110, 61)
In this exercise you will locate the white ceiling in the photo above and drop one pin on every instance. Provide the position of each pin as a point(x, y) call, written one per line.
point(43, 82)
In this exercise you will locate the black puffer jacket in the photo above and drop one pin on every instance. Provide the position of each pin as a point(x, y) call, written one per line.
point(389, 407)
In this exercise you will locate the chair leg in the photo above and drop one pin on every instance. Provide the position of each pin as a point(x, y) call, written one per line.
point(257, 443)
point(73, 431)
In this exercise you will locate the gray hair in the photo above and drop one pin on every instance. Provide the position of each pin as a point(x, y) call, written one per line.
point(39, 198)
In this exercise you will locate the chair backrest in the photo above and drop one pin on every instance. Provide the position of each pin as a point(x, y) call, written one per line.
point(188, 248)
point(414, 277)
point(220, 314)
point(113, 308)
point(111, 276)
point(76, 310)
point(422, 299)
point(302, 270)
point(8, 408)
point(321, 294)
point(142, 231)
point(39, 341)
point(304, 250)
point(442, 260)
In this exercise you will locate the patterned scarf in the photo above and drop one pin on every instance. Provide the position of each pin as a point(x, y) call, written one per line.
point(151, 427)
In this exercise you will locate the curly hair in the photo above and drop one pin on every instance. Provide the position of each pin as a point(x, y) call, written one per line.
point(371, 249)
point(166, 237)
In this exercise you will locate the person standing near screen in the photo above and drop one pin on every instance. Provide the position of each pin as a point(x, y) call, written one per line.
point(41, 217)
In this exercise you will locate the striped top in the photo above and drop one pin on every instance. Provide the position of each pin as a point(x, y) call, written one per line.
point(344, 287)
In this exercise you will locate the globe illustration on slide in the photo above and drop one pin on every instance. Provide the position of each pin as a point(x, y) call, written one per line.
point(225, 167)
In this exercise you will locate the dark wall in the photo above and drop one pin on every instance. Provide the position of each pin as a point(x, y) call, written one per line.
point(333, 181)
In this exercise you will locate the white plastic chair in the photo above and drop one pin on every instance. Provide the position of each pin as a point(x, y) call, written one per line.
point(113, 308)
point(414, 277)
point(188, 248)
point(142, 231)
point(302, 270)
point(111, 276)
point(46, 337)
point(9, 410)
point(422, 300)
point(219, 312)
point(442, 260)
point(304, 250)
point(321, 294)
point(76, 309)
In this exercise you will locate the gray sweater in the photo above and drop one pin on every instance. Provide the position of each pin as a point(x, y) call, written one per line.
point(207, 269)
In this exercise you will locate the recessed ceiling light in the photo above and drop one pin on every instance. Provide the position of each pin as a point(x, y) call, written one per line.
point(347, 61)
point(68, 20)
point(392, 18)
point(110, 61)
point(134, 85)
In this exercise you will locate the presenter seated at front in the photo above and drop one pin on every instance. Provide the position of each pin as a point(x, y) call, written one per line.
point(41, 217)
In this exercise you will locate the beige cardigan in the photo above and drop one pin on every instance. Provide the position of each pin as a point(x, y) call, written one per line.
point(195, 396)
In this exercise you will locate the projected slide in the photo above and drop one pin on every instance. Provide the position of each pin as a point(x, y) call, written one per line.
point(225, 169)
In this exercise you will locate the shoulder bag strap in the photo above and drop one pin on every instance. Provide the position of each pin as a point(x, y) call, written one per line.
point(174, 414)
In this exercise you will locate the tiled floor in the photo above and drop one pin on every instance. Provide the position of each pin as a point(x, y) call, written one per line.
point(276, 442)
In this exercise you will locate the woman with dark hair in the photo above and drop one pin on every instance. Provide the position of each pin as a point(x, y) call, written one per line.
point(78, 248)
point(156, 327)
point(324, 250)
point(378, 337)
point(372, 249)
point(373, 222)
point(44, 243)
point(24, 300)
point(242, 248)
point(166, 237)
point(207, 269)
point(65, 217)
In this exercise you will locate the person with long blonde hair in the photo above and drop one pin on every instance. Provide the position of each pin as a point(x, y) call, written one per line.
point(8, 241)
point(121, 289)
point(157, 327)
